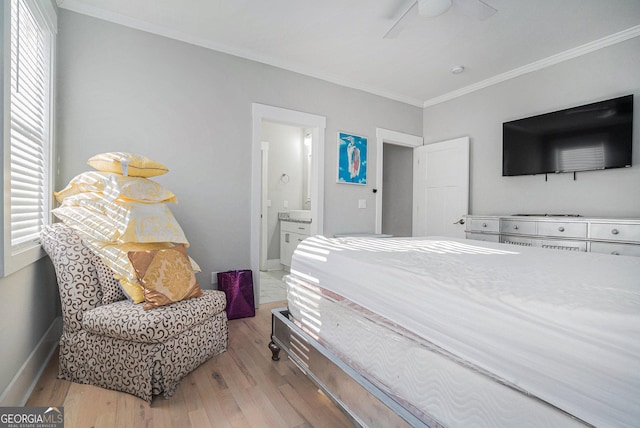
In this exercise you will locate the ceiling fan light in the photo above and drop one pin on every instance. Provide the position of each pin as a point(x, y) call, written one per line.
point(433, 8)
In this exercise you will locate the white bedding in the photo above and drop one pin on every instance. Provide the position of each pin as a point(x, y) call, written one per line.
point(563, 326)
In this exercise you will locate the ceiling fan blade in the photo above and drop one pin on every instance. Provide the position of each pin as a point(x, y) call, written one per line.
point(475, 8)
point(407, 16)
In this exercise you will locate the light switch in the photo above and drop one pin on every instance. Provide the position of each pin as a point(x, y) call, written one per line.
point(285, 204)
point(362, 203)
point(268, 203)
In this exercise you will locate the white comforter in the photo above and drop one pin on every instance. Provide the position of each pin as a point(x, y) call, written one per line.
point(563, 326)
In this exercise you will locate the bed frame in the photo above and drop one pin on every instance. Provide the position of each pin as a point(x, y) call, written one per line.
point(362, 401)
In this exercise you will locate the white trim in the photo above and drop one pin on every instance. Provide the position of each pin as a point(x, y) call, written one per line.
point(390, 137)
point(317, 125)
point(264, 212)
point(21, 386)
point(47, 13)
point(604, 42)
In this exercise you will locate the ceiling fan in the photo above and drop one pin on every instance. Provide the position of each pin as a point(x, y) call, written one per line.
point(433, 8)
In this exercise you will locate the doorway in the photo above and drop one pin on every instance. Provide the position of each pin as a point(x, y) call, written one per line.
point(286, 173)
point(397, 182)
point(314, 129)
point(400, 140)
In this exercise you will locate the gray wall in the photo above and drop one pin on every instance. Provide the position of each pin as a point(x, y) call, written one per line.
point(29, 304)
point(603, 74)
point(190, 108)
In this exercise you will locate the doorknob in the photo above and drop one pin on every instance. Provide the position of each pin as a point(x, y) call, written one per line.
point(461, 221)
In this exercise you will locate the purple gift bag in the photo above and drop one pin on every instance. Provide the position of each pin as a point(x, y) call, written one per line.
point(238, 287)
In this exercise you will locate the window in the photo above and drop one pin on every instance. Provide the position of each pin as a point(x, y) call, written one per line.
point(27, 128)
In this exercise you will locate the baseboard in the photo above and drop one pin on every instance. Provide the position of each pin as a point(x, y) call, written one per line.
point(21, 386)
point(273, 264)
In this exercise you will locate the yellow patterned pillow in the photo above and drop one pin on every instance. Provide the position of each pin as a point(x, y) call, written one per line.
point(116, 258)
point(127, 164)
point(138, 223)
point(114, 186)
point(165, 275)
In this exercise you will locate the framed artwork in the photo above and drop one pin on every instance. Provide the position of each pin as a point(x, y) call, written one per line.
point(352, 158)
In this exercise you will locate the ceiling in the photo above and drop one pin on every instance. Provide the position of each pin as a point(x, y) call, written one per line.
point(341, 41)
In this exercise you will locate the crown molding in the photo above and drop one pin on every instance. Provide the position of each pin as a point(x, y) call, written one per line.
point(604, 42)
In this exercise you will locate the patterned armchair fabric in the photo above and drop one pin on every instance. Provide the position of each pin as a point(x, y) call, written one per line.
point(119, 345)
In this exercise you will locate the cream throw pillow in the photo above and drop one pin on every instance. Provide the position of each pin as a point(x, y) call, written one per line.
point(127, 164)
point(114, 186)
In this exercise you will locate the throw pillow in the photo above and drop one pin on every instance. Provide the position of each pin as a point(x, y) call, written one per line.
point(111, 290)
point(114, 186)
point(166, 276)
point(127, 164)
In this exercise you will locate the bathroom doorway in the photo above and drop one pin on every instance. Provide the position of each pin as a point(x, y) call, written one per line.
point(269, 121)
point(286, 176)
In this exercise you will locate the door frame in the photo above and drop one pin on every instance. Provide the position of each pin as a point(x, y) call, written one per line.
point(389, 137)
point(316, 124)
point(264, 218)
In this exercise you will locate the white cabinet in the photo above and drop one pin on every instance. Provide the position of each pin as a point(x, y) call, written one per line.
point(609, 236)
point(291, 234)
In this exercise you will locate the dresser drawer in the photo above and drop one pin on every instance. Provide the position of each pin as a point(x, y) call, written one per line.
point(295, 227)
point(484, 225)
point(518, 227)
point(483, 237)
point(615, 232)
point(615, 249)
point(562, 229)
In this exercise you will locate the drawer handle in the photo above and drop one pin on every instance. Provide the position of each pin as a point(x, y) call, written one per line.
point(484, 224)
point(516, 227)
point(301, 228)
point(615, 253)
point(561, 229)
point(615, 231)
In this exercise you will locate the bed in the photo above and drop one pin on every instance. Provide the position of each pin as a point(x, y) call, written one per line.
point(447, 332)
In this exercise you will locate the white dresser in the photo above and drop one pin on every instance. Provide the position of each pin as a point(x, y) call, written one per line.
point(600, 235)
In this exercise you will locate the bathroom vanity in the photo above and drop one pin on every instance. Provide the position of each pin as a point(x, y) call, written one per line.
point(295, 226)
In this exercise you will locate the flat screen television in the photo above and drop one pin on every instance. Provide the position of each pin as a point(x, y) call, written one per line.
point(589, 137)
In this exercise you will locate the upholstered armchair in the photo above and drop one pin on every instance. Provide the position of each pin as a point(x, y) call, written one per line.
point(118, 345)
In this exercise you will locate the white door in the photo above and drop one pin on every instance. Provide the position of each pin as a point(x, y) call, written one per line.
point(441, 188)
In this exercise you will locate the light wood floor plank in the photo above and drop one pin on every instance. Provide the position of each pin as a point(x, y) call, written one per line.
point(241, 388)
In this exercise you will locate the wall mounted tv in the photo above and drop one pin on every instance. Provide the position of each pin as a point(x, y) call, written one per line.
point(589, 137)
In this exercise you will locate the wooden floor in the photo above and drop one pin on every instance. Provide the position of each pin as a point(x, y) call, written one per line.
point(242, 387)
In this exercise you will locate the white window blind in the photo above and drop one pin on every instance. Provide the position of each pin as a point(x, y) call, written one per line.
point(30, 100)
